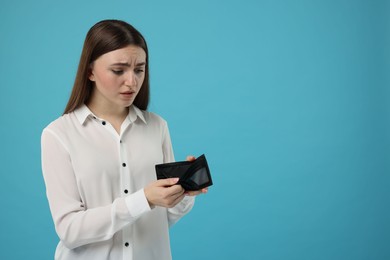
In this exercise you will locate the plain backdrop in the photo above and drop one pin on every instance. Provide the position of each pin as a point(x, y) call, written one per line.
point(289, 100)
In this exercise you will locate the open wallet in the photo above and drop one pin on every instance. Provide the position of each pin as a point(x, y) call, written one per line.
point(194, 175)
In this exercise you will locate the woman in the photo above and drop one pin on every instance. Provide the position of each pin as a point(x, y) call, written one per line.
point(98, 158)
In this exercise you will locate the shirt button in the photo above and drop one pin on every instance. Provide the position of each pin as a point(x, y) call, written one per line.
point(126, 191)
point(127, 244)
point(104, 123)
point(124, 164)
point(120, 141)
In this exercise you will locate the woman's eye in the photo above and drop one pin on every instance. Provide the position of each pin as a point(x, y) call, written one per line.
point(117, 72)
point(138, 71)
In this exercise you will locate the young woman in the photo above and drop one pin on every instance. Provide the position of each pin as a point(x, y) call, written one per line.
point(98, 159)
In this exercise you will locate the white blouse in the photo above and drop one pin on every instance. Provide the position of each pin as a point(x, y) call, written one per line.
point(94, 183)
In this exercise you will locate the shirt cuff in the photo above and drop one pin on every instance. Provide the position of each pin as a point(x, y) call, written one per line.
point(137, 204)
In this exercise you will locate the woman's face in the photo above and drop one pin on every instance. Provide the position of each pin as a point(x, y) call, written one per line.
point(118, 76)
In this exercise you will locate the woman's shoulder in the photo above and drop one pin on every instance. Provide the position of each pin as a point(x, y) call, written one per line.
point(61, 124)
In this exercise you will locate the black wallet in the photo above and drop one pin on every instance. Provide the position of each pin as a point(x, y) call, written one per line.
point(194, 175)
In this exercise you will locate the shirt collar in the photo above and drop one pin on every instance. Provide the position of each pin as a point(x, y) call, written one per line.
point(135, 112)
point(83, 112)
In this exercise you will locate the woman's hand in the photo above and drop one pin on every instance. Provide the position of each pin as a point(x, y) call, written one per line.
point(196, 192)
point(164, 193)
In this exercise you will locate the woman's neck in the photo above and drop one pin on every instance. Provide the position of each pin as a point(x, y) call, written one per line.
point(105, 109)
point(109, 112)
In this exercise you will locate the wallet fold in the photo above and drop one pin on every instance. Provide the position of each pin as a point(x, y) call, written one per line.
point(194, 175)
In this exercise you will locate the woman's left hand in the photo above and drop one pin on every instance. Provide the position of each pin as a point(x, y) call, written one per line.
point(196, 192)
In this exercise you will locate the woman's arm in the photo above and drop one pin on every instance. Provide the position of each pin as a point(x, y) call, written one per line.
point(76, 225)
point(186, 204)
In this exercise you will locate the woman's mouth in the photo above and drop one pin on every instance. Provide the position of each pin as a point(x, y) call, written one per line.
point(127, 94)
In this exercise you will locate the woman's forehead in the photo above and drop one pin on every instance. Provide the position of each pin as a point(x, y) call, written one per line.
point(129, 55)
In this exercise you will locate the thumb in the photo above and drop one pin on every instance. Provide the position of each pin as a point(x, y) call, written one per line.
point(167, 182)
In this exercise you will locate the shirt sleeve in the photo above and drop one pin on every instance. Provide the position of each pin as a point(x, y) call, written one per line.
point(75, 225)
point(185, 206)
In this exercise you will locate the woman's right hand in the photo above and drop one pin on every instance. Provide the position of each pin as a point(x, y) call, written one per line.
point(164, 193)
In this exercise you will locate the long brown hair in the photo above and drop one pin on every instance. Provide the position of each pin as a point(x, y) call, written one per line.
point(103, 37)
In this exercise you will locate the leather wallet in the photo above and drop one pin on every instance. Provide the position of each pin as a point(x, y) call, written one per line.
point(194, 175)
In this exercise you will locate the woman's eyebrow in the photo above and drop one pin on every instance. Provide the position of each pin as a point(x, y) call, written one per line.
point(126, 64)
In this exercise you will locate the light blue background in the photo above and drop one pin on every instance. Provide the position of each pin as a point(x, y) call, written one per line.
point(289, 100)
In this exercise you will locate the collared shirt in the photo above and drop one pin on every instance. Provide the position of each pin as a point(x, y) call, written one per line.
point(94, 183)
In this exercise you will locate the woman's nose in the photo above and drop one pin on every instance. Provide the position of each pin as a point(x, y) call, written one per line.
point(131, 80)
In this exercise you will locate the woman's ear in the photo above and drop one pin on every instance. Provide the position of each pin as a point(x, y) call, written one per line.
point(91, 76)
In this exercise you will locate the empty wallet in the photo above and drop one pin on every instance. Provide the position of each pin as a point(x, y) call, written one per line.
point(194, 175)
